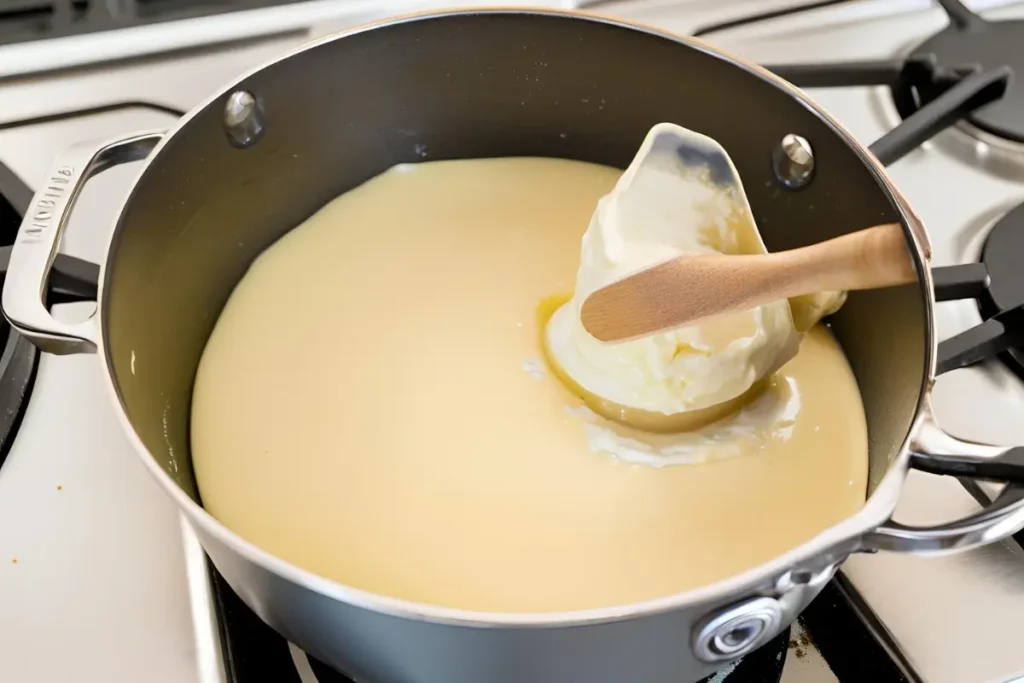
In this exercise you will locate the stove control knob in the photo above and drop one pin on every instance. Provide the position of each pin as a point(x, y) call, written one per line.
point(737, 630)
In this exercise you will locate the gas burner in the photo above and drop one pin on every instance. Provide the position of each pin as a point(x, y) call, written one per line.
point(969, 44)
point(1001, 256)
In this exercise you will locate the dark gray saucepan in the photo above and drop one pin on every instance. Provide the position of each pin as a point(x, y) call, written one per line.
point(266, 152)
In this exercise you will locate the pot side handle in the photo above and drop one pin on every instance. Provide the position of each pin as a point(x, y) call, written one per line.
point(38, 239)
point(936, 452)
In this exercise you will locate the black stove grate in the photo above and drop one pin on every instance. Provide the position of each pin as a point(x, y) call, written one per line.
point(969, 44)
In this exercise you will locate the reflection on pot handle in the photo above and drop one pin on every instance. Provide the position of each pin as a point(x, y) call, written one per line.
point(39, 237)
point(936, 452)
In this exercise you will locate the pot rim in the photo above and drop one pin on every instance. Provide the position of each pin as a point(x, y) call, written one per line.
point(834, 543)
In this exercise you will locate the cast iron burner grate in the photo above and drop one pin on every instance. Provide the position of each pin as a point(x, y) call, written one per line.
point(967, 45)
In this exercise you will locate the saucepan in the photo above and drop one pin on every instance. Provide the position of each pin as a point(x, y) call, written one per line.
point(267, 151)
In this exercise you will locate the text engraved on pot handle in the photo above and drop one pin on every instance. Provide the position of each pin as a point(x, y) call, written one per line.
point(40, 216)
point(24, 293)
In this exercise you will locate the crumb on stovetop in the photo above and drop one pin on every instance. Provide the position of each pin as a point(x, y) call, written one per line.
point(799, 644)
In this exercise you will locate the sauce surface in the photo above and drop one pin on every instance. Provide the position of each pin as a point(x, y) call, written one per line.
point(373, 406)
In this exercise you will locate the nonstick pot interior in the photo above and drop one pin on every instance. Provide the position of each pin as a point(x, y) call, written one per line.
point(474, 84)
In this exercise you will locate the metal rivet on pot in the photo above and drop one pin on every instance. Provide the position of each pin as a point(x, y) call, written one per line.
point(793, 162)
point(243, 119)
point(737, 630)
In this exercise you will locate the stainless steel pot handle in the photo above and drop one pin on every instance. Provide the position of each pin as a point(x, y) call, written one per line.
point(39, 236)
point(936, 452)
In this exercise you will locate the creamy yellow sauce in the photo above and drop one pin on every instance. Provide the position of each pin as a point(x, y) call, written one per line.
point(373, 406)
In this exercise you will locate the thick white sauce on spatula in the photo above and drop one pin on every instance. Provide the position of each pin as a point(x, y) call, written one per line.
point(373, 406)
point(680, 195)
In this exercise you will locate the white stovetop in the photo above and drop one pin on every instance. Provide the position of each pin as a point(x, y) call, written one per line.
point(92, 585)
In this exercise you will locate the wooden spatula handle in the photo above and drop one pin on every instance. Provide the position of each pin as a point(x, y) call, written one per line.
point(692, 287)
point(867, 259)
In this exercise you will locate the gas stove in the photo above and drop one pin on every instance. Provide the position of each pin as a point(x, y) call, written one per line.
point(101, 580)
